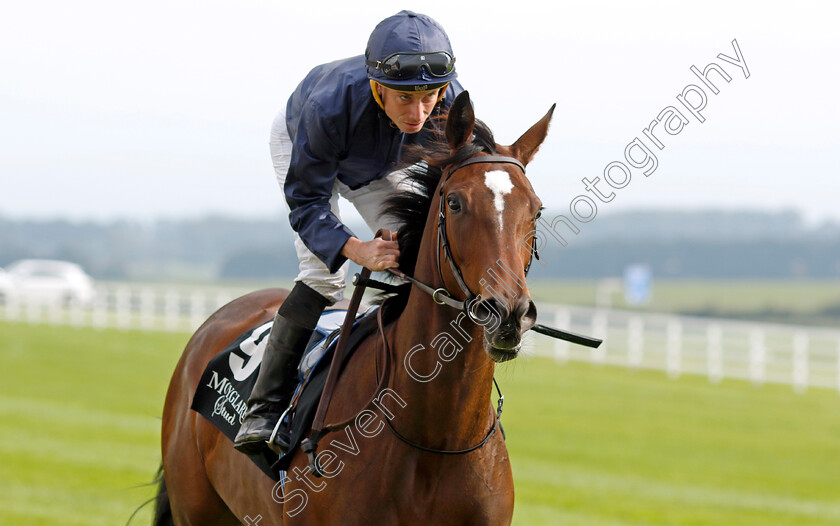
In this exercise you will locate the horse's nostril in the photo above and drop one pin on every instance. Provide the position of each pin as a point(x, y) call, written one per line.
point(526, 313)
point(495, 315)
point(490, 313)
point(501, 308)
point(530, 318)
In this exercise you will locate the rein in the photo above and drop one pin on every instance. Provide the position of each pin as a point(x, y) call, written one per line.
point(319, 428)
point(440, 296)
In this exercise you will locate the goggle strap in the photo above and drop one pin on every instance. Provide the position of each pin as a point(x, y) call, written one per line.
point(411, 70)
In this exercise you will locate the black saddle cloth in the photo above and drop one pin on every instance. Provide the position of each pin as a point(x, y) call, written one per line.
point(228, 379)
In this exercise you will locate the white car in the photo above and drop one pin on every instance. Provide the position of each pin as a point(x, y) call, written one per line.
point(5, 286)
point(46, 281)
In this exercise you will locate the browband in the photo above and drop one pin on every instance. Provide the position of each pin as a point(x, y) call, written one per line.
point(489, 159)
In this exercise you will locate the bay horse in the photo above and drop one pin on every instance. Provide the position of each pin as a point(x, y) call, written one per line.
point(469, 221)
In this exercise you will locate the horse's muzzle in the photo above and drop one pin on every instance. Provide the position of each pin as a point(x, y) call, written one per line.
point(503, 336)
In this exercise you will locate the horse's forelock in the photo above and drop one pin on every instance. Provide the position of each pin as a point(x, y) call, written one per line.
point(424, 167)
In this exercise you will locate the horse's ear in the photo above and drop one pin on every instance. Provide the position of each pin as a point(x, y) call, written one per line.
point(526, 146)
point(460, 122)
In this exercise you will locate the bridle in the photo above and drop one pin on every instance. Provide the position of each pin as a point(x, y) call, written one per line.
point(441, 295)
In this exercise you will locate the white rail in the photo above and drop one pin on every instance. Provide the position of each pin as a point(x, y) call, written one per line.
point(801, 356)
point(131, 306)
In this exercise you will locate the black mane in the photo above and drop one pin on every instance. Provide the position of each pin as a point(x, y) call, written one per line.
point(424, 165)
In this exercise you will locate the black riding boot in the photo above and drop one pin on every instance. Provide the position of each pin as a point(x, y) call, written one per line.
point(277, 378)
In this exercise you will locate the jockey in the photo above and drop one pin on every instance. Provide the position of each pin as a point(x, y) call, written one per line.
point(340, 135)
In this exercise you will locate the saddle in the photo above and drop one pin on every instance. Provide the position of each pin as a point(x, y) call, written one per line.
point(228, 379)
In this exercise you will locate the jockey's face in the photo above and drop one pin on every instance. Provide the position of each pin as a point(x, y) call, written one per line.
point(408, 110)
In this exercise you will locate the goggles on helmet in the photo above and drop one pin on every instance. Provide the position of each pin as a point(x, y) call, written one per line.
point(403, 66)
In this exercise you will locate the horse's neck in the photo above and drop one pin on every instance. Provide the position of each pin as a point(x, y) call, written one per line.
point(442, 373)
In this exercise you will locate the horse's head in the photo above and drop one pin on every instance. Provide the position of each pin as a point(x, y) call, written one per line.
point(486, 224)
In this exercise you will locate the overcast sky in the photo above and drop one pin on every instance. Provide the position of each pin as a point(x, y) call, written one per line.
point(158, 108)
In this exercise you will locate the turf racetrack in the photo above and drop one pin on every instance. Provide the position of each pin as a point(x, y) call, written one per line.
point(79, 435)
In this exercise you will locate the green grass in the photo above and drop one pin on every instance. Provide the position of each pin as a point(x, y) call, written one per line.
point(609, 446)
point(80, 422)
point(79, 430)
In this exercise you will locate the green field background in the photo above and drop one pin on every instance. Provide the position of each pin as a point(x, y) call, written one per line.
point(79, 438)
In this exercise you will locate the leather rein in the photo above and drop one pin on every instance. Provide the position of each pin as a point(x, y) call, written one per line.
point(440, 295)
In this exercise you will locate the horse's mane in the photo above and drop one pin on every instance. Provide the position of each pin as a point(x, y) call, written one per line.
point(424, 166)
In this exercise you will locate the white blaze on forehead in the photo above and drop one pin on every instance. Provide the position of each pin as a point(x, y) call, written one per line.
point(498, 181)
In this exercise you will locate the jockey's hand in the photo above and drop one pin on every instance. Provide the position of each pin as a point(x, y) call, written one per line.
point(375, 255)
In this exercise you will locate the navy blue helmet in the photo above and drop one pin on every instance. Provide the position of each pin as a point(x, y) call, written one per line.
point(410, 52)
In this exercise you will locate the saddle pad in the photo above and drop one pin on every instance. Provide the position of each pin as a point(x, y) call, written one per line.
point(222, 393)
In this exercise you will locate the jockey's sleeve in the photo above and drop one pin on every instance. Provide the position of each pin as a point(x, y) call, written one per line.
point(309, 185)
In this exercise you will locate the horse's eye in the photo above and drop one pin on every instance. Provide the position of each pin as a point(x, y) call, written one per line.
point(539, 213)
point(453, 203)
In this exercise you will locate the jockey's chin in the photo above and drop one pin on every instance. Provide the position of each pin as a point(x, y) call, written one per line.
point(410, 127)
